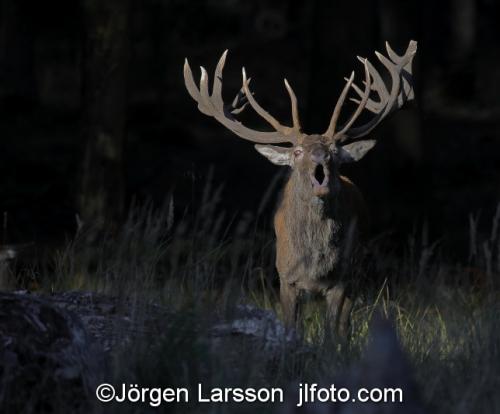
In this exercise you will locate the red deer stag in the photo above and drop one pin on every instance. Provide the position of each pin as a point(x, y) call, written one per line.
point(319, 209)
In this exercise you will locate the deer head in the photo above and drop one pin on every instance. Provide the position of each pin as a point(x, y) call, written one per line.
point(315, 159)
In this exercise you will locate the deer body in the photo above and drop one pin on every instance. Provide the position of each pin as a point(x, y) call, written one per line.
point(321, 213)
point(310, 235)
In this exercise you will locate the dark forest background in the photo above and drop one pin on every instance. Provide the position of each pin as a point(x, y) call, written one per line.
point(94, 112)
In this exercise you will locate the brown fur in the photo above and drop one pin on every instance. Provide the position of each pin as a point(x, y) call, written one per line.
point(310, 238)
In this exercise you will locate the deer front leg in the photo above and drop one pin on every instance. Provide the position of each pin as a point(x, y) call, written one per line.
point(339, 308)
point(289, 298)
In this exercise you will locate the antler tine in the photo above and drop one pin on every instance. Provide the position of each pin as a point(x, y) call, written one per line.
point(193, 89)
point(286, 131)
point(361, 105)
point(338, 107)
point(371, 105)
point(406, 59)
point(407, 69)
point(205, 95)
point(217, 88)
point(240, 101)
point(213, 105)
point(401, 91)
point(378, 85)
point(295, 110)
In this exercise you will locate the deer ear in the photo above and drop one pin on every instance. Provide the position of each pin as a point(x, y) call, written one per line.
point(356, 150)
point(277, 155)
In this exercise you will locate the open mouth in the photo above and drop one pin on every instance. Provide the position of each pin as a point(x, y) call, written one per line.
point(319, 174)
point(319, 180)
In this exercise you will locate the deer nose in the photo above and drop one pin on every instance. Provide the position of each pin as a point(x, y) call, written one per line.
point(319, 155)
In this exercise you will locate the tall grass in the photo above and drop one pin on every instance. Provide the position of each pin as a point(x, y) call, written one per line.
point(200, 263)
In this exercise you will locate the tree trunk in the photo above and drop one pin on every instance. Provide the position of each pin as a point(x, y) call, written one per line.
point(101, 197)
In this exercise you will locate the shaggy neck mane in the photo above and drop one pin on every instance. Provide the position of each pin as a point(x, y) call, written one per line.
point(314, 224)
point(302, 203)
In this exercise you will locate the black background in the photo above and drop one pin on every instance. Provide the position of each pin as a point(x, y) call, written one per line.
point(436, 162)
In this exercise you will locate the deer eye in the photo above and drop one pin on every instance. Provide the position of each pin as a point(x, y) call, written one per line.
point(298, 152)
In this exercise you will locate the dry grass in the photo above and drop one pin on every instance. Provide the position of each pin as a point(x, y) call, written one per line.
point(200, 265)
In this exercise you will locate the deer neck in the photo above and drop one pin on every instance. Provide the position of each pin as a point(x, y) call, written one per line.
point(311, 209)
point(312, 217)
point(314, 228)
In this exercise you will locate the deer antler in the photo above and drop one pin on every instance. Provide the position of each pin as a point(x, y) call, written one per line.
point(213, 105)
point(401, 91)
